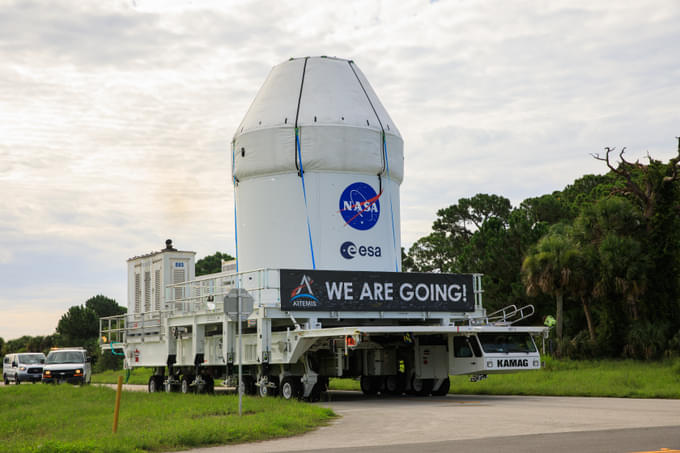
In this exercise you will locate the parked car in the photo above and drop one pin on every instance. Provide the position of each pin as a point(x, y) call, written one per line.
point(23, 367)
point(72, 365)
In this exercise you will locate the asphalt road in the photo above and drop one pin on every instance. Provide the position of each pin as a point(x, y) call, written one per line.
point(485, 424)
point(476, 423)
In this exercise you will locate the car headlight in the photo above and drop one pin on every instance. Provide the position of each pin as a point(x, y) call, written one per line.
point(22, 368)
point(79, 372)
point(48, 372)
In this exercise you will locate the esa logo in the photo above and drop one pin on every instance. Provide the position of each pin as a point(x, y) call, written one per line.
point(359, 206)
point(349, 250)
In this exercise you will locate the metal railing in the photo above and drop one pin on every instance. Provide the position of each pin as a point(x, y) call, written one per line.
point(510, 315)
point(207, 293)
point(204, 294)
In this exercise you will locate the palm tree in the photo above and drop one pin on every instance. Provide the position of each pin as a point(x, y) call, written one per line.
point(549, 268)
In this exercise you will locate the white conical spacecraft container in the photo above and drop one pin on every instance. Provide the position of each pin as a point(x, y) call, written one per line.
point(317, 163)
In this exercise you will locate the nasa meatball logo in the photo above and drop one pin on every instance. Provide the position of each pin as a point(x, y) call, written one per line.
point(349, 250)
point(359, 206)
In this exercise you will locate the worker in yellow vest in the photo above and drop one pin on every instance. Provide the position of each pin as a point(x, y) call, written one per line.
point(549, 321)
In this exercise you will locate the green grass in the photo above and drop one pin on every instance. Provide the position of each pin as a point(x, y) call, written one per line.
point(137, 376)
point(343, 384)
point(608, 378)
point(65, 418)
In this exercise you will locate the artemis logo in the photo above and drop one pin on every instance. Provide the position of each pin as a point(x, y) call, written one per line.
point(349, 250)
point(301, 298)
point(505, 363)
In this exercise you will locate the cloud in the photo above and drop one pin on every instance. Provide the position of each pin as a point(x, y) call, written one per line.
point(116, 118)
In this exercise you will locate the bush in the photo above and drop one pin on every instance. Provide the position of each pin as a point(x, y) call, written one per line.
point(106, 361)
point(580, 347)
point(645, 341)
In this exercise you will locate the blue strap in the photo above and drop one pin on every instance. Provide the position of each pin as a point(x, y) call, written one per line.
point(394, 234)
point(304, 193)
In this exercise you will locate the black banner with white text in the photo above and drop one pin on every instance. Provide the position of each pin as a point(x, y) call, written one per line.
point(375, 291)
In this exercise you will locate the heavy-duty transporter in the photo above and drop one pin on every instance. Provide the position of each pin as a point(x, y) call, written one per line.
point(294, 336)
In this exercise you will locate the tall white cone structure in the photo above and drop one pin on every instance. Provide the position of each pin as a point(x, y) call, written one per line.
point(317, 163)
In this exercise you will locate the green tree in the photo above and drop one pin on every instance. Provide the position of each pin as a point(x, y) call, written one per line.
point(104, 306)
point(28, 343)
point(79, 326)
point(549, 267)
point(441, 251)
point(211, 264)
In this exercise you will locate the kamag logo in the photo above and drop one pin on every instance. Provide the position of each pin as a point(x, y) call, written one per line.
point(359, 206)
point(349, 250)
point(302, 295)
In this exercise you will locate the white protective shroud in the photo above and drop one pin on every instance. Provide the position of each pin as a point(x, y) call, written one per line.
point(283, 222)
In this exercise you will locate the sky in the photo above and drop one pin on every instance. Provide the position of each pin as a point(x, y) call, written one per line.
point(116, 116)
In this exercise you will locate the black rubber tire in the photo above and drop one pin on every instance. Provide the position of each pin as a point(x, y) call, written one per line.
point(4, 378)
point(249, 387)
point(263, 391)
point(319, 388)
point(155, 384)
point(208, 385)
point(185, 386)
point(369, 385)
point(291, 388)
point(16, 380)
point(395, 384)
point(443, 388)
point(274, 391)
point(421, 387)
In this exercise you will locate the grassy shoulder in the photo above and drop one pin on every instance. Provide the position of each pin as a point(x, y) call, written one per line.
point(65, 418)
point(138, 376)
point(607, 378)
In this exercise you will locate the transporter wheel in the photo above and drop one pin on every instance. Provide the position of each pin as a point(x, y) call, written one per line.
point(395, 384)
point(443, 388)
point(207, 386)
point(370, 385)
point(155, 384)
point(319, 388)
point(16, 380)
point(291, 388)
point(4, 378)
point(274, 391)
point(185, 386)
point(263, 390)
point(422, 387)
point(249, 387)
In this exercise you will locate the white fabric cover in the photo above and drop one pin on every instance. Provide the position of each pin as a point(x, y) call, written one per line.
point(338, 127)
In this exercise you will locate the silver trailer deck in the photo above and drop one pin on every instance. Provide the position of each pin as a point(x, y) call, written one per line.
point(283, 348)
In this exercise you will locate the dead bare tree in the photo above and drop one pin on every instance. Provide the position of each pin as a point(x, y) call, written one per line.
point(654, 176)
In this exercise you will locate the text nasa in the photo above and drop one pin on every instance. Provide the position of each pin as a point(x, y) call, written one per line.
point(407, 291)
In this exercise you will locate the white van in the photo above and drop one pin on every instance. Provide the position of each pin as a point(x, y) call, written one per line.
point(72, 365)
point(23, 367)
